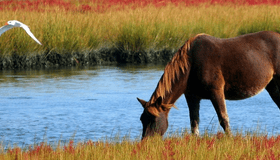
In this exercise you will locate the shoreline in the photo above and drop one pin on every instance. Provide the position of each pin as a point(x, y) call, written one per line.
point(103, 56)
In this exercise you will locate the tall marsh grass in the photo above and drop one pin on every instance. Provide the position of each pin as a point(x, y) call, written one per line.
point(66, 27)
point(186, 146)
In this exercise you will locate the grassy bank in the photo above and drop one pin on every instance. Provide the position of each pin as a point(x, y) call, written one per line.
point(92, 32)
point(186, 146)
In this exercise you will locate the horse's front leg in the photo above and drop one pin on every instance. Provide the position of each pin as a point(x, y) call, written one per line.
point(273, 90)
point(219, 103)
point(193, 104)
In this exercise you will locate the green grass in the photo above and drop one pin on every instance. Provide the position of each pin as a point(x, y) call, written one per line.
point(177, 146)
point(132, 30)
point(123, 34)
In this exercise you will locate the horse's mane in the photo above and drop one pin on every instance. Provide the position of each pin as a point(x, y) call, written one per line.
point(178, 66)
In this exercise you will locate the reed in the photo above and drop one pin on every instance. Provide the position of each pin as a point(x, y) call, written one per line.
point(68, 27)
point(185, 146)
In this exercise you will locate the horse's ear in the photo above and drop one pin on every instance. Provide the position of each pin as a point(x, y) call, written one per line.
point(143, 103)
point(158, 102)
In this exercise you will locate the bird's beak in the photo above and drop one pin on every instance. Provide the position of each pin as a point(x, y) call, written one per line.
point(6, 23)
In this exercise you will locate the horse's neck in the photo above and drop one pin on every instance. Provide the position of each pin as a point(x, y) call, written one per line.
point(177, 88)
point(173, 82)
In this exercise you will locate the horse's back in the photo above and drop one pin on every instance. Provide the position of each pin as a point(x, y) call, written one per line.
point(242, 66)
point(265, 41)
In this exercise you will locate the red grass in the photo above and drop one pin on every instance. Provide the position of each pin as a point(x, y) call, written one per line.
point(70, 148)
point(255, 147)
point(104, 5)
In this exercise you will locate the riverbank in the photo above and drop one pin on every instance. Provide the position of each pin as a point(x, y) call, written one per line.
point(104, 56)
point(102, 32)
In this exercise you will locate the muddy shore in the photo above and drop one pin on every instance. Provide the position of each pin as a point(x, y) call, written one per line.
point(53, 59)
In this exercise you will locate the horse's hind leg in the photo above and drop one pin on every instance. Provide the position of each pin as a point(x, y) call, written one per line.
point(193, 103)
point(273, 90)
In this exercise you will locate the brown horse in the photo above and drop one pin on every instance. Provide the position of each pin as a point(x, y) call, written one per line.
point(206, 67)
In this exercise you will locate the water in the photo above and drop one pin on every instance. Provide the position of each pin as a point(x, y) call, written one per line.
point(100, 102)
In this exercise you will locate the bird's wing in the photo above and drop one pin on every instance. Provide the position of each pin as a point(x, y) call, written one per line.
point(5, 28)
point(25, 27)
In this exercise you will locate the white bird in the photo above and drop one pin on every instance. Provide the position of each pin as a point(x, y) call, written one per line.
point(15, 23)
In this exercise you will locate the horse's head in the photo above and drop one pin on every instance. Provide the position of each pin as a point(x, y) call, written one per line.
point(154, 117)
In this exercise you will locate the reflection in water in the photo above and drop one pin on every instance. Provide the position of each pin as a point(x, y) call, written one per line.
point(99, 102)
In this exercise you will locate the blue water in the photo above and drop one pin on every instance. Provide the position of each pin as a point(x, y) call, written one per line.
point(100, 103)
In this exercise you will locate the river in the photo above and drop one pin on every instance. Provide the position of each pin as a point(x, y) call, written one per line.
point(99, 103)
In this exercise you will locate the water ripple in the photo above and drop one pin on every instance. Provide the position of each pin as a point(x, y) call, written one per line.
point(99, 102)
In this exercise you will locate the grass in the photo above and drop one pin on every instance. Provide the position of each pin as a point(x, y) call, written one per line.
point(136, 27)
point(185, 146)
point(128, 27)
